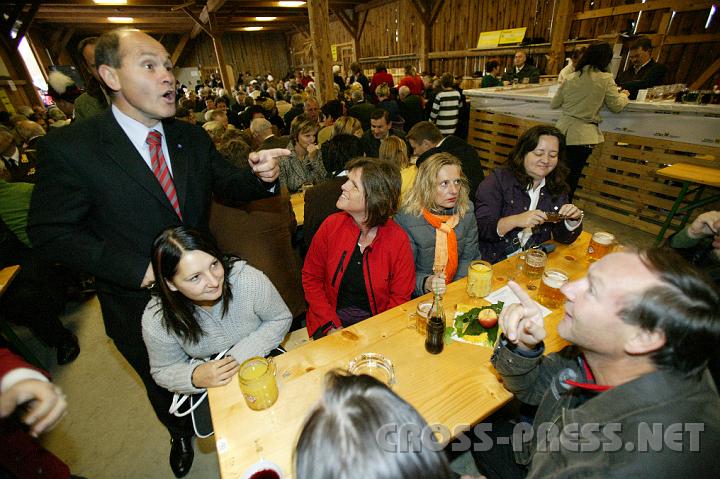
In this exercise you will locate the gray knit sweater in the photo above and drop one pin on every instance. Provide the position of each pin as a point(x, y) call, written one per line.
point(256, 321)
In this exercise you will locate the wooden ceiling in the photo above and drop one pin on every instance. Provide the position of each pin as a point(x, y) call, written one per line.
point(169, 16)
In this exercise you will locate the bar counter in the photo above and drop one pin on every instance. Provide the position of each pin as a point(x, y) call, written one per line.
point(621, 181)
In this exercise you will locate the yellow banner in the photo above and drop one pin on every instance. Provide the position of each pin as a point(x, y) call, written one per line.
point(333, 48)
point(501, 37)
point(6, 102)
point(513, 35)
point(489, 39)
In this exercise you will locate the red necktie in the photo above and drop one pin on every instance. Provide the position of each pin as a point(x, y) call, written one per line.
point(160, 169)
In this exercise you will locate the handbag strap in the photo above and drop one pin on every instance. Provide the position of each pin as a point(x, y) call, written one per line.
point(179, 399)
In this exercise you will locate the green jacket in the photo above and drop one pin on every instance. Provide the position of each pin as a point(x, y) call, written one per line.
point(626, 431)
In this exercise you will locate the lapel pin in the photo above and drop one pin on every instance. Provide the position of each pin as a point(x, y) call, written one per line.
point(179, 146)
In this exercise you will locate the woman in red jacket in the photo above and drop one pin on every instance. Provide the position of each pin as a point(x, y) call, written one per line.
point(359, 263)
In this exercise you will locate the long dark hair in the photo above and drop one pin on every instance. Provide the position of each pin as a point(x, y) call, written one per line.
point(555, 181)
point(177, 310)
point(598, 56)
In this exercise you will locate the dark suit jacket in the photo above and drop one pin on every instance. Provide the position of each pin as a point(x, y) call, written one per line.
point(25, 170)
point(467, 155)
point(274, 142)
point(527, 71)
point(319, 204)
point(652, 74)
point(371, 145)
point(97, 207)
point(362, 111)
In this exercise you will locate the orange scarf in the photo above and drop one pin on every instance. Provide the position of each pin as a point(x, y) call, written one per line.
point(446, 253)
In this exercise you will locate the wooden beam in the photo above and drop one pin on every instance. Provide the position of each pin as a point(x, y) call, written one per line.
point(322, 59)
point(437, 8)
point(699, 38)
point(346, 22)
point(179, 48)
point(420, 7)
point(560, 32)
point(219, 52)
point(640, 7)
point(198, 23)
point(26, 22)
point(706, 75)
point(374, 4)
point(212, 6)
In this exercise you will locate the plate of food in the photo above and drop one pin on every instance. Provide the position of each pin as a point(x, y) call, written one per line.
point(475, 324)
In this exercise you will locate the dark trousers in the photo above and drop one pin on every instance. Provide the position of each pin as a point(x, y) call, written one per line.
point(499, 461)
point(122, 315)
point(577, 156)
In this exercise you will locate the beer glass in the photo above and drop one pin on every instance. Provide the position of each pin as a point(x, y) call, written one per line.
point(549, 293)
point(535, 260)
point(479, 279)
point(601, 244)
point(257, 383)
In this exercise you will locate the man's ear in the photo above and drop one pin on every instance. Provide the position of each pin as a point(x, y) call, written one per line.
point(109, 77)
point(645, 342)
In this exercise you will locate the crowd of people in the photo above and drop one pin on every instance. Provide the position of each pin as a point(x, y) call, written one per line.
point(396, 205)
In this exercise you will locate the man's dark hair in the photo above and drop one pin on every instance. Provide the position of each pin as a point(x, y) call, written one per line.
point(85, 42)
point(333, 109)
point(447, 80)
point(597, 55)
point(641, 42)
point(107, 49)
point(381, 182)
point(490, 66)
point(380, 67)
point(685, 307)
point(555, 181)
point(378, 113)
point(339, 151)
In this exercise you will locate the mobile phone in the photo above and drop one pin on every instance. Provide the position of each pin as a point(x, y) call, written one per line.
point(547, 247)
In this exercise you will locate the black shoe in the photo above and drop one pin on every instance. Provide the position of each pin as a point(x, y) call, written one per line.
point(181, 455)
point(68, 349)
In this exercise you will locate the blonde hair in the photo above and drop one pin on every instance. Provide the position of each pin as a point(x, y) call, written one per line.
point(302, 124)
point(347, 125)
point(383, 91)
point(422, 193)
point(394, 150)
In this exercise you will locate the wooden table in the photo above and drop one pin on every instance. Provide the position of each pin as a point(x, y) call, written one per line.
point(456, 388)
point(689, 174)
point(297, 200)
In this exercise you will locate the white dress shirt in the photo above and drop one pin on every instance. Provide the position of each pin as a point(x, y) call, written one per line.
point(137, 133)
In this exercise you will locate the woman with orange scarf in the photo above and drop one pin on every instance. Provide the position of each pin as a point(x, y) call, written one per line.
point(438, 219)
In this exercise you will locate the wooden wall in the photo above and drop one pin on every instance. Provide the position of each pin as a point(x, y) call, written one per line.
point(460, 22)
point(257, 52)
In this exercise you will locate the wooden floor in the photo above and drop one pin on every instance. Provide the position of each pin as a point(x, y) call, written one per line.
point(111, 431)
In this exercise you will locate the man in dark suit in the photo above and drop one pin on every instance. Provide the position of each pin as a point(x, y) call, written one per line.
point(380, 128)
point(262, 133)
point(98, 205)
point(19, 165)
point(426, 140)
point(521, 70)
point(644, 71)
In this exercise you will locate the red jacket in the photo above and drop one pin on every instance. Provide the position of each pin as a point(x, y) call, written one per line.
point(414, 83)
point(21, 455)
point(379, 78)
point(388, 266)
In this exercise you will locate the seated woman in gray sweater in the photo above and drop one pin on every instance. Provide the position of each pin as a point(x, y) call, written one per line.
point(205, 303)
point(437, 216)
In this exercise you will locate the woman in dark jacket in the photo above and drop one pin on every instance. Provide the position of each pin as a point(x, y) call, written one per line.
point(526, 203)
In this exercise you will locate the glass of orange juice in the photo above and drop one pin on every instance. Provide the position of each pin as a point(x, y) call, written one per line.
point(257, 383)
point(479, 279)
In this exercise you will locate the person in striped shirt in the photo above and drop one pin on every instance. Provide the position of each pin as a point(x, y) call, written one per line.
point(446, 106)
